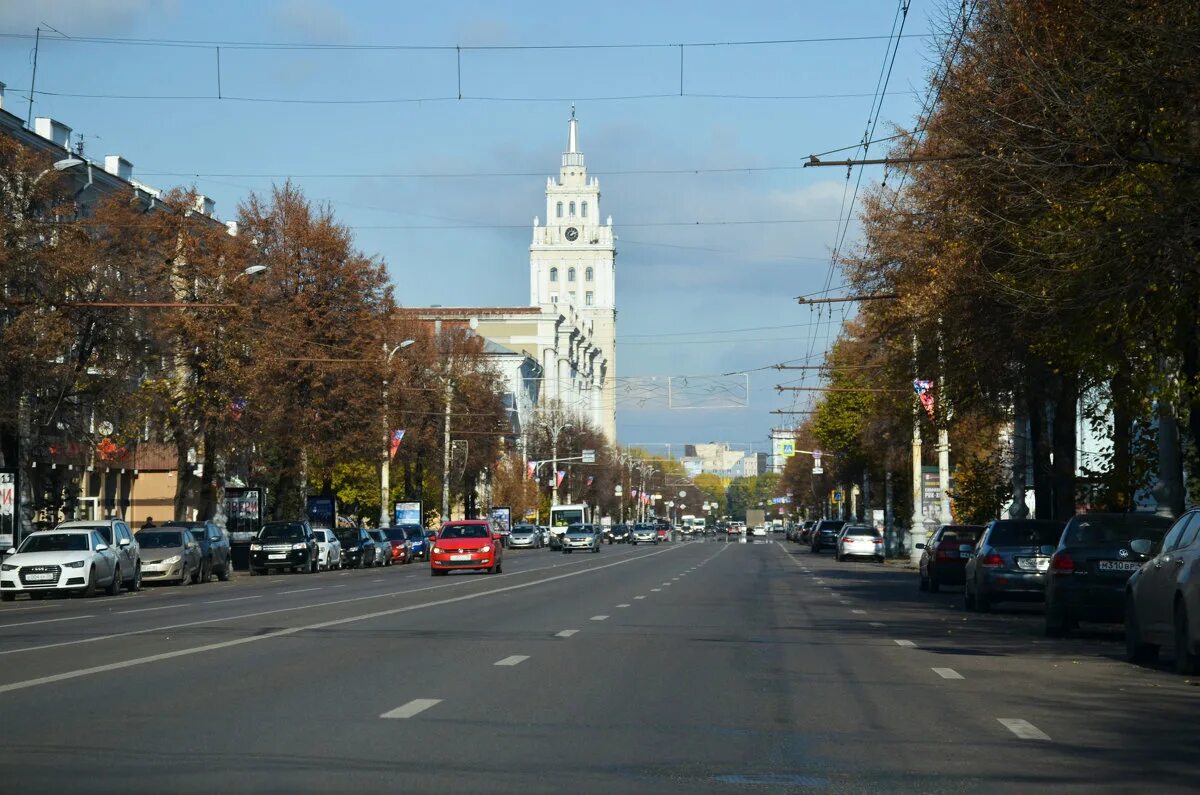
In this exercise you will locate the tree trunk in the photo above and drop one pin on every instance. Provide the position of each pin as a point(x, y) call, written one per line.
point(1039, 445)
point(1169, 489)
point(24, 469)
point(1120, 487)
point(185, 480)
point(1019, 508)
point(1065, 446)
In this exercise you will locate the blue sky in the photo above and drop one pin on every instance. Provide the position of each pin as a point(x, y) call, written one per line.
point(694, 282)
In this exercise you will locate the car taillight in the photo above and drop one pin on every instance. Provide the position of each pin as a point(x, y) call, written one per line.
point(992, 561)
point(1061, 562)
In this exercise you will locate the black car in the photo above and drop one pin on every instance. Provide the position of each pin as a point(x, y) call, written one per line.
point(1092, 563)
point(1010, 562)
point(215, 552)
point(284, 545)
point(825, 534)
point(358, 548)
point(620, 533)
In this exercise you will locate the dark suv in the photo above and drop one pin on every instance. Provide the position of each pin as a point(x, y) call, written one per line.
point(825, 534)
point(284, 545)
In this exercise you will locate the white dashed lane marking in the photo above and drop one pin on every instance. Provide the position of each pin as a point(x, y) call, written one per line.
point(566, 633)
point(515, 659)
point(655, 590)
point(414, 707)
point(878, 624)
point(302, 590)
point(947, 673)
point(639, 597)
point(235, 599)
point(43, 621)
point(908, 644)
point(1023, 729)
point(623, 605)
point(599, 618)
point(859, 612)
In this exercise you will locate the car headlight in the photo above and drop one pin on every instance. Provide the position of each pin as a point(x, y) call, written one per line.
point(171, 561)
point(75, 564)
point(437, 550)
point(486, 548)
point(299, 546)
point(6, 567)
point(256, 547)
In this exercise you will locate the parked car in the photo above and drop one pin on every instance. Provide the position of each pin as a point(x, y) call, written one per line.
point(942, 561)
point(825, 535)
point(121, 540)
point(383, 547)
point(467, 544)
point(1162, 599)
point(417, 541)
point(525, 535)
point(1092, 564)
point(1009, 562)
point(401, 551)
point(171, 554)
point(804, 535)
point(284, 545)
point(859, 540)
point(329, 549)
point(71, 560)
point(582, 537)
point(644, 534)
point(664, 532)
point(358, 548)
point(215, 550)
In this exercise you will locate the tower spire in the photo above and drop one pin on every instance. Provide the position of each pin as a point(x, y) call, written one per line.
point(572, 133)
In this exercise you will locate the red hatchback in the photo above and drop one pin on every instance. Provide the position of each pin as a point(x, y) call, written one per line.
point(466, 544)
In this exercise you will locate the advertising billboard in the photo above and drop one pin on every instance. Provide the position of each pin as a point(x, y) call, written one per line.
point(408, 513)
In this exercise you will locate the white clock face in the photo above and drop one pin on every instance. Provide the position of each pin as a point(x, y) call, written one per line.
point(572, 233)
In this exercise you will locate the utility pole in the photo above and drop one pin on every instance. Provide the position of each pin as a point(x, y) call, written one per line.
point(446, 451)
point(385, 466)
point(916, 531)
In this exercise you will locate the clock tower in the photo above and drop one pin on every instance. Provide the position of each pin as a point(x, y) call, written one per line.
point(572, 271)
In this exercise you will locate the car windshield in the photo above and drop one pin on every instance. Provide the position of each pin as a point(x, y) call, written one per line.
point(376, 534)
point(282, 531)
point(965, 535)
point(347, 537)
point(465, 531)
point(1024, 534)
point(862, 531)
point(396, 534)
point(1115, 529)
point(831, 526)
point(105, 531)
point(160, 539)
point(199, 533)
point(415, 533)
point(579, 528)
point(55, 542)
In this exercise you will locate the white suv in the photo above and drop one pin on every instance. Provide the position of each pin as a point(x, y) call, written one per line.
point(121, 540)
point(57, 561)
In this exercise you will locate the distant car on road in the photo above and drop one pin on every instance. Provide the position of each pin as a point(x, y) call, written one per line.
point(215, 550)
point(824, 535)
point(418, 543)
point(758, 532)
point(75, 560)
point(942, 561)
point(401, 549)
point(859, 540)
point(525, 536)
point(329, 549)
point(621, 533)
point(383, 546)
point(644, 534)
point(467, 544)
point(584, 537)
point(1162, 600)
point(1092, 564)
point(358, 548)
point(171, 554)
point(284, 545)
point(1009, 563)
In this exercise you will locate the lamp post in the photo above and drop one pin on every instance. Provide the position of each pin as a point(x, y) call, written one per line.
point(385, 461)
point(555, 430)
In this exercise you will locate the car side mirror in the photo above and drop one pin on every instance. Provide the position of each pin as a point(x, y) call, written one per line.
point(1142, 546)
point(101, 547)
point(919, 546)
point(124, 542)
point(10, 551)
point(966, 549)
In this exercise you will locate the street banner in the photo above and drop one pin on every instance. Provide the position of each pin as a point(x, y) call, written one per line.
point(590, 478)
point(633, 492)
point(558, 477)
point(923, 389)
point(397, 437)
point(236, 407)
point(531, 467)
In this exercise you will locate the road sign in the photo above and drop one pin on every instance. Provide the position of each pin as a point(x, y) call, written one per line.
point(838, 495)
point(589, 456)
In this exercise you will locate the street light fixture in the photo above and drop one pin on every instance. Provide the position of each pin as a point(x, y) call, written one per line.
point(250, 270)
point(385, 460)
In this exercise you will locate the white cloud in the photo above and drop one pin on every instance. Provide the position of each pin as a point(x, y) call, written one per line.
point(78, 17)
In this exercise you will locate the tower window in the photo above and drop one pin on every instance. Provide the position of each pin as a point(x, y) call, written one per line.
point(583, 209)
point(554, 274)
point(589, 274)
point(572, 209)
point(560, 209)
point(554, 298)
point(570, 274)
point(587, 298)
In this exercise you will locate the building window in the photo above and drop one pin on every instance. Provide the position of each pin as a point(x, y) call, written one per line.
point(587, 298)
point(588, 274)
point(583, 209)
point(572, 209)
point(560, 209)
point(554, 298)
point(554, 274)
point(570, 274)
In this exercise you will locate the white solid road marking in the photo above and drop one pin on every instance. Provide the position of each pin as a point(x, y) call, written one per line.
point(639, 597)
point(843, 601)
point(878, 624)
point(947, 673)
point(624, 605)
point(146, 609)
point(414, 707)
point(515, 659)
point(235, 599)
point(859, 612)
point(908, 644)
point(655, 590)
point(599, 618)
point(1023, 729)
point(566, 633)
point(302, 590)
point(42, 621)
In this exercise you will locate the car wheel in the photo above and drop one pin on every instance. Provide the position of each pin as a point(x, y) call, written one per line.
point(88, 591)
point(499, 567)
point(934, 585)
point(135, 584)
point(983, 604)
point(1186, 660)
point(226, 571)
point(114, 587)
point(1057, 624)
point(968, 599)
point(38, 596)
point(314, 567)
point(196, 574)
point(437, 572)
point(837, 556)
point(1136, 651)
point(924, 585)
point(7, 597)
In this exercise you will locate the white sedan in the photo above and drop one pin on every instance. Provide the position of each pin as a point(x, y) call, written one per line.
point(329, 550)
point(58, 561)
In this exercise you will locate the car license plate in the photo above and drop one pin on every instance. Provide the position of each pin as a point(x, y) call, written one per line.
point(1033, 564)
point(41, 577)
point(1119, 565)
point(276, 557)
point(460, 557)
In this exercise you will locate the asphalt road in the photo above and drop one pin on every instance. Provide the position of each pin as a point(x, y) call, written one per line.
point(690, 667)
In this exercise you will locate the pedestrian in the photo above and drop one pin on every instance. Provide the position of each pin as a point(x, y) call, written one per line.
point(149, 523)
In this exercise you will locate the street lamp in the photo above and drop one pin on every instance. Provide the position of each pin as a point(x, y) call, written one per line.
point(385, 463)
point(59, 165)
point(555, 430)
point(250, 270)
